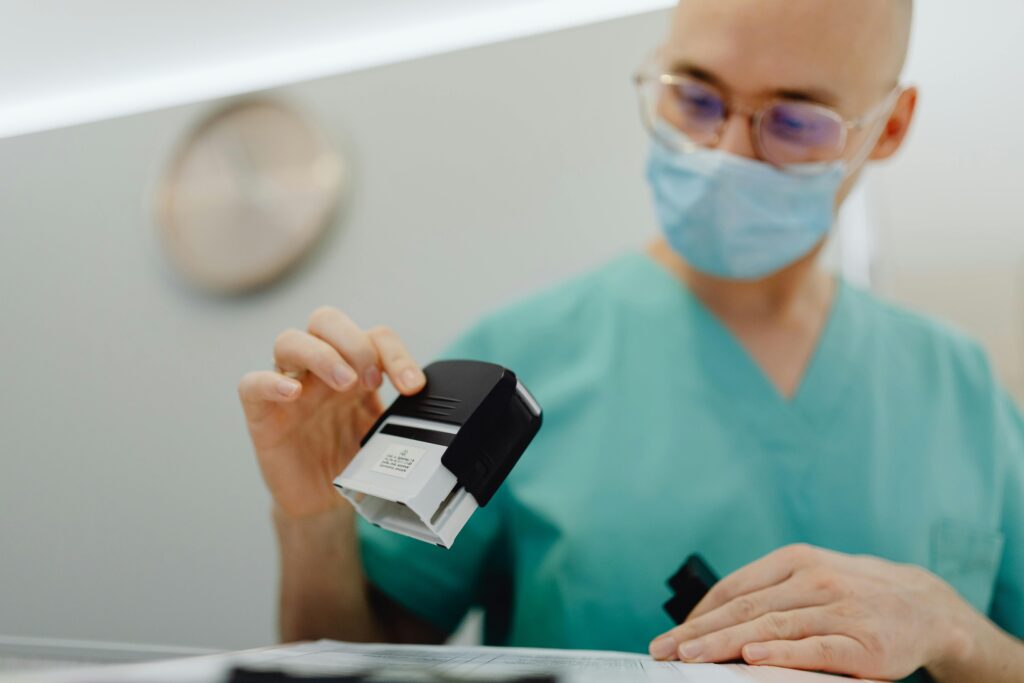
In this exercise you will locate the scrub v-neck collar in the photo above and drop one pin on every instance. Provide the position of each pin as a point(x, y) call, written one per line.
point(744, 384)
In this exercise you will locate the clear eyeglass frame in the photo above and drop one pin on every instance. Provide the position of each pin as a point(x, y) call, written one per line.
point(651, 80)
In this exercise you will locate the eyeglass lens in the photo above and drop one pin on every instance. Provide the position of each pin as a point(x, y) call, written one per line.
point(785, 132)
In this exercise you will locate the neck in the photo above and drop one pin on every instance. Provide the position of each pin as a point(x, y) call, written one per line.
point(775, 298)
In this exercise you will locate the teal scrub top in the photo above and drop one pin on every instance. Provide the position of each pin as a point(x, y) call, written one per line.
point(662, 437)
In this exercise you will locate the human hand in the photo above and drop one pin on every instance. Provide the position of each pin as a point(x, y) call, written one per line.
point(306, 420)
point(802, 607)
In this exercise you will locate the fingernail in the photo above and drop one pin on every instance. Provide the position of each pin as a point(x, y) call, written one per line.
point(755, 652)
point(411, 378)
point(287, 387)
point(343, 376)
point(372, 377)
point(663, 647)
point(691, 650)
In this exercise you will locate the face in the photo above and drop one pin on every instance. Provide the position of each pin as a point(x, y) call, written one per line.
point(838, 54)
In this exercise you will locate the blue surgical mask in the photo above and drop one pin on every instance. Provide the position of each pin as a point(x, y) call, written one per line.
point(738, 218)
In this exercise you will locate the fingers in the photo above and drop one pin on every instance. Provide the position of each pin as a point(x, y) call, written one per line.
point(349, 340)
point(341, 354)
point(297, 351)
point(354, 345)
point(368, 351)
point(831, 653)
point(772, 569)
point(791, 594)
point(727, 644)
point(405, 374)
point(261, 389)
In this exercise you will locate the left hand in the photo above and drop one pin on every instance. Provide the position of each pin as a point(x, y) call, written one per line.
point(802, 607)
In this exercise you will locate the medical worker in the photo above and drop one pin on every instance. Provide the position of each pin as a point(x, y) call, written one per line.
point(853, 470)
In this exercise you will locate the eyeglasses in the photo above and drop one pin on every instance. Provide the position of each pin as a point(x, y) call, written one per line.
point(786, 133)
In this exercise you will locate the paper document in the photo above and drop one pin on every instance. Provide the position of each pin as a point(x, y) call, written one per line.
point(474, 663)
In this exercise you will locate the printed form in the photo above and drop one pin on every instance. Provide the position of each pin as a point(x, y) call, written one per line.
point(454, 663)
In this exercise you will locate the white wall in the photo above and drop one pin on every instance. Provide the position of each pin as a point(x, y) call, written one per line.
point(130, 505)
point(952, 241)
point(62, 66)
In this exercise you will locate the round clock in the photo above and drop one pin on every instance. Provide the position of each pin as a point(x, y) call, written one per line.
point(247, 193)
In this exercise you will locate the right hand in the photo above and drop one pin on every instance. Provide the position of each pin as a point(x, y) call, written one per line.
point(306, 430)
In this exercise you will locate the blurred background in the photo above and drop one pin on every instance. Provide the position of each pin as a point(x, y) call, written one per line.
point(415, 164)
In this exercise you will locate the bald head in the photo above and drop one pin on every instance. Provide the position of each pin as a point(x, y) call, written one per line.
point(847, 55)
point(850, 53)
point(903, 19)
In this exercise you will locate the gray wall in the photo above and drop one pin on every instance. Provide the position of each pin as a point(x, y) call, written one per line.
point(130, 504)
point(952, 242)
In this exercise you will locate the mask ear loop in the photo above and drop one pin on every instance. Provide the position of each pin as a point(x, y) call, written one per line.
point(671, 138)
point(874, 132)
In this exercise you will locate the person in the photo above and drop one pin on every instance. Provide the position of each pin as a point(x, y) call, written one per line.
point(853, 469)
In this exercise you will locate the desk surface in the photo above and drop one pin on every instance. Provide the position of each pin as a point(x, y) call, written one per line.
point(19, 654)
point(332, 657)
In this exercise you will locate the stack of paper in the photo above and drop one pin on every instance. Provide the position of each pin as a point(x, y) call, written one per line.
point(332, 657)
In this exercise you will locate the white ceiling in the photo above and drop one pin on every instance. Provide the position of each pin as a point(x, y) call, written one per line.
point(67, 63)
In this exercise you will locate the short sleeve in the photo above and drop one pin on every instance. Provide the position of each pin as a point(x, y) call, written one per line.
point(437, 585)
point(1008, 606)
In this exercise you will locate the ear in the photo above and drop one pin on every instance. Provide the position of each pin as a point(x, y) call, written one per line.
point(895, 130)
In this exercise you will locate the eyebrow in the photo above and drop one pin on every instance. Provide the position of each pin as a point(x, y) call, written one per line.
point(814, 95)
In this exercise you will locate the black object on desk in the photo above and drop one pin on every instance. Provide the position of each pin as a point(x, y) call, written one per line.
point(244, 675)
point(689, 586)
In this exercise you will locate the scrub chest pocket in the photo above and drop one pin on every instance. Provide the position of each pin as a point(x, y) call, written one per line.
point(967, 556)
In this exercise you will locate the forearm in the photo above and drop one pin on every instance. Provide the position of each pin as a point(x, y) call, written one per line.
point(323, 590)
point(982, 652)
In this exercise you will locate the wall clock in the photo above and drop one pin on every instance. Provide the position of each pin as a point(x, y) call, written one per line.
point(247, 193)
